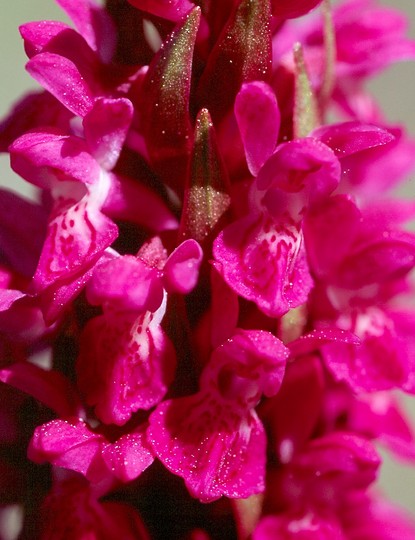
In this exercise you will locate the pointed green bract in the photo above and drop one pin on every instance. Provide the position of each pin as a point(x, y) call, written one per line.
point(243, 53)
point(166, 120)
point(330, 55)
point(306, 115)
point(206, 197)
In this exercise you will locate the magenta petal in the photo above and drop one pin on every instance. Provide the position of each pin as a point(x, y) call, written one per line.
point(126, 363)
point(61, 77)
point(349, 138)
point(94, 24)
point(216, 451)
point(332, 466)
point(181, 271)
point(127, 283)
point(76, 238)
point(371, 173)
point(365, 516)
point(55, 299)
point(377, 363)
point(8, 297)
point(173, 10)
point(106, 126)
point(258, 118)
point(290, 9)
point(49, 387)
point(72, 446)
point(382, 417)
point(34, 110)
point(37, 35)
point(330, 230)
point(305, 169)
point(370, 37)
point(342, 452)
point(134, 201)
point(265, 263)
point(43, 158)
point(214, 439)
point(245, 366)
point(316, 339)
point(386, 257)
point(21, 239)
point(129, 456)
point(297, 527)
point(20, 316)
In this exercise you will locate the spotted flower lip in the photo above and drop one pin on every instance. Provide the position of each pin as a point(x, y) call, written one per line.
point(206, 312)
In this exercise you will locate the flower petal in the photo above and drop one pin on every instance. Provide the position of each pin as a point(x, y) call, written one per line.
point(265, 263)
point(258, 118)
point(214, 450)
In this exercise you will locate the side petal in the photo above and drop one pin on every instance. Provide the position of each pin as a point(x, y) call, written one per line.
point(172, 10)
point(94, 24)
point(72, 446)
point(105, 127)
point(46, 158)
point(31, 112)
point(181, 271)
point(49, 387)
point(378, 362)
point(62, 78)
point(129, 456)
point(131, 200)
point(349, 138)
point(126, 283)
point(302, 172)
point(37, 35)
point(21, 239)
point(258, 118)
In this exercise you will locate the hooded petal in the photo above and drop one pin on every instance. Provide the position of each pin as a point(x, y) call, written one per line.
point(106, 126)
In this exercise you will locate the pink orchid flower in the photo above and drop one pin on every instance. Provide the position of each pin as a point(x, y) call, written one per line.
point(126, 360)
point(209, 438)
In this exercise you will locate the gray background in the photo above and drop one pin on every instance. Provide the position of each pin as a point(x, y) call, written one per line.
point(395, 90)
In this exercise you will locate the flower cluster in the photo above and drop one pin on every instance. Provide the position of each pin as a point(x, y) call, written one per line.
point(205, 315)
